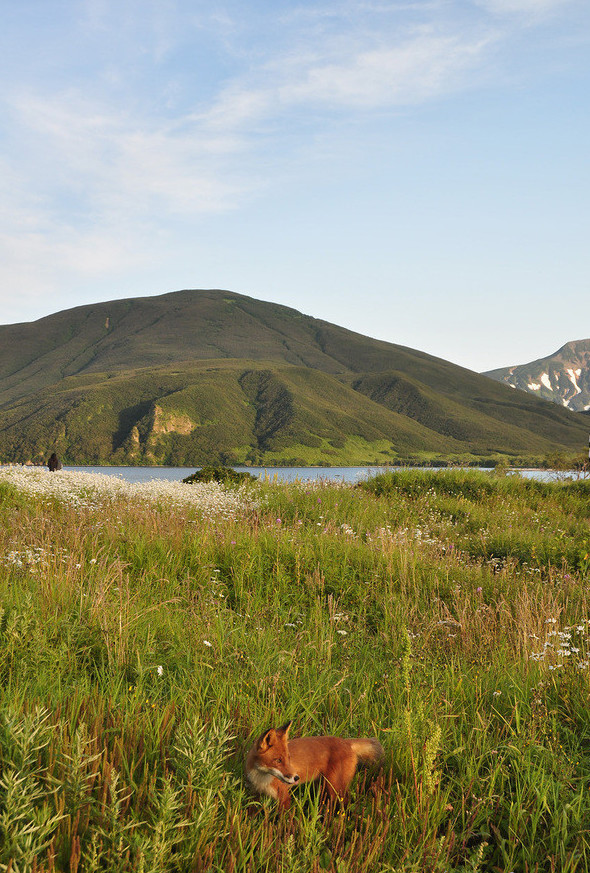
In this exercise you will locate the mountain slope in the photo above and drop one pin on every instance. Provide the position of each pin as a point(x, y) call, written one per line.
point(563, 377)
point(192, 376)
point(245, 412)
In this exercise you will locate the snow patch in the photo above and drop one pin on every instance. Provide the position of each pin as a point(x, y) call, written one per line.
point(533, 386)
point(546, 381)
point(572, 374)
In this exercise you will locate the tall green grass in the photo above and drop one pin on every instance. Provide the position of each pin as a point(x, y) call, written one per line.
point(144, 646)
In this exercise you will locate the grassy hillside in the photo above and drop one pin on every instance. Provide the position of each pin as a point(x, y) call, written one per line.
point(250, 414)
point(473, 417)
point(197, 376)
point(150, 633)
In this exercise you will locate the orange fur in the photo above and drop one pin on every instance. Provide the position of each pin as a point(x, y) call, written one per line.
point(275, 763)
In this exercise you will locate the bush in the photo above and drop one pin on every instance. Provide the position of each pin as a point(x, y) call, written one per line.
point(225, 475)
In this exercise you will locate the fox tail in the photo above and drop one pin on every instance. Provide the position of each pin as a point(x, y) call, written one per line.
point(368, 751)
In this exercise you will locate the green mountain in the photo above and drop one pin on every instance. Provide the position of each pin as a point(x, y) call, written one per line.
point(198, 376)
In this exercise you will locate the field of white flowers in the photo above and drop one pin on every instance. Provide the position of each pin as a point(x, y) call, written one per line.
point(91, 489)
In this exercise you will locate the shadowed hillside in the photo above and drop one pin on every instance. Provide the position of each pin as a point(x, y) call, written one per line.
point(195, 376)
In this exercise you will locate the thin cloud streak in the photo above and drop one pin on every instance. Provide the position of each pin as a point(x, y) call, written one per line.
point(425, 67)
point(534, 10)
point(117, 163)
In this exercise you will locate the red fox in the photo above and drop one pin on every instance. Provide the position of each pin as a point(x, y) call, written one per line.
point(275, 763)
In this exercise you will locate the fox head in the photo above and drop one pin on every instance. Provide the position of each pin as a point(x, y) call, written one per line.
point(272, 754)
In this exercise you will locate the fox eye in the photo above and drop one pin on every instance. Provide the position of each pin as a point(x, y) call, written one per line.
point(278, 760)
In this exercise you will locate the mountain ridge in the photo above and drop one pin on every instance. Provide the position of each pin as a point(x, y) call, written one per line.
point(562, 377)
point(198, 375)
point(108, 317)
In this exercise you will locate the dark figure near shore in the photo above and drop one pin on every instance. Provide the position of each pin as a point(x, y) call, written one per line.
point(54, 463)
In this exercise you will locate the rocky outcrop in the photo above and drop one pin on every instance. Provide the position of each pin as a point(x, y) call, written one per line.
point(563, 377)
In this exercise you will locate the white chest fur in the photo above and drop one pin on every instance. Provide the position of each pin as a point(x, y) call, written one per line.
point(261, 781)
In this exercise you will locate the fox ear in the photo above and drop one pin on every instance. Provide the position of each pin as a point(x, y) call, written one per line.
point(266, 740)
point(286, 728)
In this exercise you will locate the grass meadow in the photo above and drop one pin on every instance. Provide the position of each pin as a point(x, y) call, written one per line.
point(149, 633)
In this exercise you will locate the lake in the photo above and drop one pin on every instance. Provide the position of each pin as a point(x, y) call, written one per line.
point(283, 474)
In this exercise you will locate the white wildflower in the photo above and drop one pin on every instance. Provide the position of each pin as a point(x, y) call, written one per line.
point(92, 490)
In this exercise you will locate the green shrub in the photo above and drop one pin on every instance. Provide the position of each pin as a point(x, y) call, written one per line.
point(225, 475)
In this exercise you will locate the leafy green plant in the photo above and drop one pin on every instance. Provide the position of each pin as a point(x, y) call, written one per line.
point(225, 475)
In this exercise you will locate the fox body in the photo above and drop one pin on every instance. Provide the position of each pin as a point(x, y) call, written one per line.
point(275, 763)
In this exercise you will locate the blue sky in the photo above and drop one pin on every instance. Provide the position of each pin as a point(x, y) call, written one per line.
point(416, 171)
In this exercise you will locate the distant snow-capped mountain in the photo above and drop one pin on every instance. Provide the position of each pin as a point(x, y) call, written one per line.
point(563, 377)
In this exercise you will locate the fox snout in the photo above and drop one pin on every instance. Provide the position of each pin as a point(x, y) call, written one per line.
point(290, 779)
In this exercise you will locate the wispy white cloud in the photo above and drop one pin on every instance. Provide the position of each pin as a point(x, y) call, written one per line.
point(532, 9)
point(38, 266)
point(115, 161)
point(173, 114)
point(40, 250)
point(194, 158)
point(352, 73)
point(422, 67)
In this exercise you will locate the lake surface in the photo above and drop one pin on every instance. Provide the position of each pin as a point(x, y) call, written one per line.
point(283, 474)
point(288, 474)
